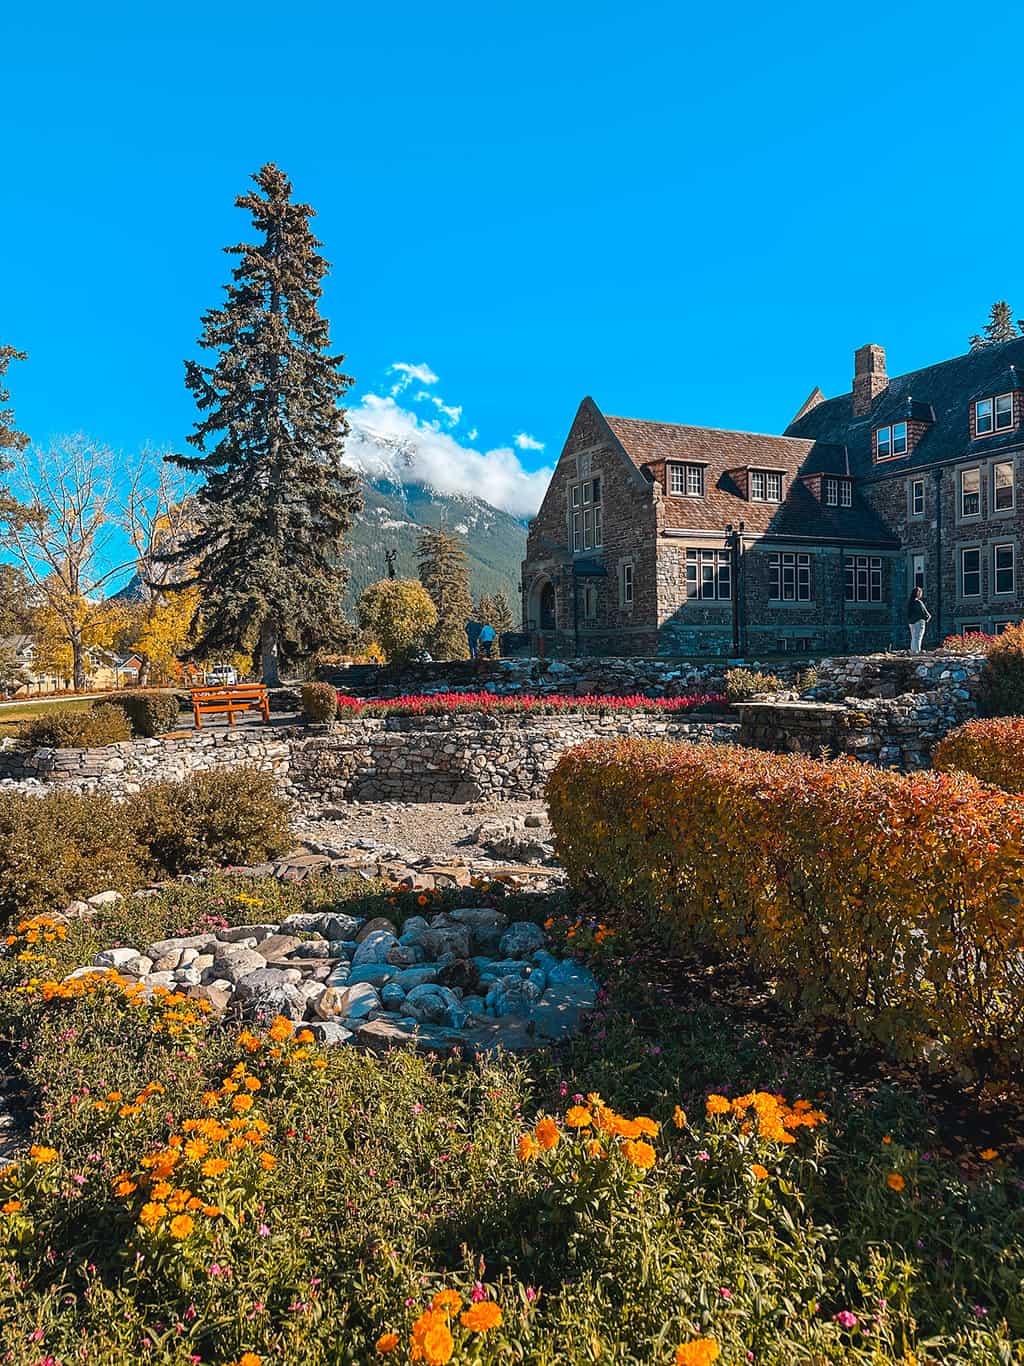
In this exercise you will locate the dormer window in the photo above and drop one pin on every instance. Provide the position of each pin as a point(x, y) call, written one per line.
point(686, 481)
point(993, 414)
point(838, 492)
point(891, 441)
point(765, 486)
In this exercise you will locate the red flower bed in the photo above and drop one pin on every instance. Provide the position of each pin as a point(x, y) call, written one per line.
point(449, 703)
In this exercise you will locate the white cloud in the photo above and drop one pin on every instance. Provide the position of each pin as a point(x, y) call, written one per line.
point(526, 442)
point(472, 434)
point(452, 414)
point(407, 373)
point(389, 441)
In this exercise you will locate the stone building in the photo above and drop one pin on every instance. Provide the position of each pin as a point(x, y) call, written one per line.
point(656, 538)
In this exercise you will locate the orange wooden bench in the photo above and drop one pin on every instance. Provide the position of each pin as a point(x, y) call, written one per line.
point(241, 697)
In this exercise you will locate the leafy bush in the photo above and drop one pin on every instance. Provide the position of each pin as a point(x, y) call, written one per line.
point(1003, 676)
point(62, 846)
point(319, 702)
point(969, 643)
point(399, 615)
point(889, 903)
point(991, 751)
point(150, 712)
point(235, 816)
point(101, 724)
point(456, 703)
point(741, 684)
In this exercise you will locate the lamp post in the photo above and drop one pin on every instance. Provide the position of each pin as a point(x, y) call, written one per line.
point(734, 544)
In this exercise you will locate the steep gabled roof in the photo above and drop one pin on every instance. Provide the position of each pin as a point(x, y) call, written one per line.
point(942, 392)
point(723, 453)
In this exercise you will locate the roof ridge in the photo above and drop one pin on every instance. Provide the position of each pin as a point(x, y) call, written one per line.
point(725, 431)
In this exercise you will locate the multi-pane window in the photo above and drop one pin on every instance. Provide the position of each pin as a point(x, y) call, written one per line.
point(838, 492)
point(993, 414)
point(686, 480)
point(626, 583)
point(832, 492)
point(765, 486)
point(708, 574)
point(789, 577)
point(585, 512)
point(917, 497)
point(863, 578)
point(1002, 485)
point(970, 493)
point(845, 493)
point(970, 572)
point(1002, 568)
point(918, 572)
point(891, 441)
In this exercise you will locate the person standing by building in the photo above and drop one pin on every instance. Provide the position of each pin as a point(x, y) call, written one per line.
point(918, 617)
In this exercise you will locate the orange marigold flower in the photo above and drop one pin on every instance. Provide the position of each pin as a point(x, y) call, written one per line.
point(253, 1083)
point(446, 1300)
point(482, 1317)
point(887, 1139)
point(679, 1117)
point(387, 1342)
point(895, 1182)
point(268, 1161)
point(196, 1148)
point(250, 1359)
point(151, 1213)
point(527, 1148)
point(717, 1105)
point(641, 1154)
point(546, 1133)
point(124, 1187)
point(241, 1103)
point(211, 1211)
point(649, 1127)
point(698, 1352)
point(595, 1148)
point(578, 1117)
point(215, 1166)
point(760, 1172)
point(989, 1154)
point(281, 1029)
point(11, 1206)
point(42, 1155)
point(182, 1225)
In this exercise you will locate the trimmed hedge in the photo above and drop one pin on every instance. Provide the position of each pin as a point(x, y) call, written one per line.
point(66, 845)
point(149, 712)
point(319, 702)
point(991, 751)
point(99, 725)
point(890, 904)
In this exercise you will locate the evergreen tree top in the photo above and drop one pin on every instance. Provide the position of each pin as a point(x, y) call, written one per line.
point(10, 438)
point(999, 328)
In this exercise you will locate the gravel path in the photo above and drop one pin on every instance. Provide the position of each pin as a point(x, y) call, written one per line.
point(440, 830)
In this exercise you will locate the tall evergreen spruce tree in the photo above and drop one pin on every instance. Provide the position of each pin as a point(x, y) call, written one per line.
point(502, 618)
point(277, 503)
point(10, 438)
point(444, 573)
point(999, 328)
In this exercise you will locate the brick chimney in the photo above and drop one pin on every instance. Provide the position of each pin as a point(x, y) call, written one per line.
point(869, 377)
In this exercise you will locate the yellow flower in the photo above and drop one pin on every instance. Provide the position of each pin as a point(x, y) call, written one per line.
point(182, 1225)
point(989, 1154)
point(718, 1105)
point(698, 1352)
point(196, 1148)
point(526, 1148)
point(641, 1154)
point(895, 1182)
point(546, 1133)
point(42, 1155)
point(578, 1117)
point(446, 1300)
point(679, 1117)
point(482, 1317)
point(387, 1342)
point(760, 1172)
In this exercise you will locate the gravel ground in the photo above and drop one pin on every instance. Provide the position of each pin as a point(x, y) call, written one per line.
point(440, 830)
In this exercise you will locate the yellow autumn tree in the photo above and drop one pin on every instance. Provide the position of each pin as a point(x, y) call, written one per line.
point(69, 630)
point(165, 633)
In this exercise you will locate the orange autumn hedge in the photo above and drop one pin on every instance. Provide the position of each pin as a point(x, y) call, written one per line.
point(992, 751)
point(889, 903)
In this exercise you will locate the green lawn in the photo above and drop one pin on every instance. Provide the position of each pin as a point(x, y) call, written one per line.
point(12, 714)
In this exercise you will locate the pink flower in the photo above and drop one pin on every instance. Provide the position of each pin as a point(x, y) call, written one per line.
point(703, 1155)
point(478, 1293)
point(264, 1230)
point(845, 1319)
point(531, 1294)
point(725, 1292)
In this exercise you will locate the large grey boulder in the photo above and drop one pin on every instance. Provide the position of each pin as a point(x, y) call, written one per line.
point(233, 963)
point(521, 940)
point(374, 948)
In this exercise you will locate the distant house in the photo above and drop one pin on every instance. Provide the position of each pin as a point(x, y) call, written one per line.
point(26, 679)
point(659, 538)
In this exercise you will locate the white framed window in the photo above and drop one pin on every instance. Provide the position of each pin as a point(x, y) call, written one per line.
point(969, 626)
point(917, 497)
point(993, 414)
point(627, 583)
point(1000, 626)
point(845, 493)
point(863, 578)
point(789, 577)
point(1003, 569)
point(838, 492)
point(686, 481)
point(832, 492)
point(891, 441)
point(970, 493)
point(709, 575)
point(1002, 486)
point(970, 572)
point(765, 486)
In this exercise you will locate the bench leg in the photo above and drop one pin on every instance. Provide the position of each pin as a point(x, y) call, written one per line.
point(199, 718)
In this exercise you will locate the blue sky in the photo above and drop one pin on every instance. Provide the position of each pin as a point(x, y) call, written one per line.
point(693, 213)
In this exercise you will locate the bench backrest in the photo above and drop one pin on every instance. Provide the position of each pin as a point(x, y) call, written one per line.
point(241, 692)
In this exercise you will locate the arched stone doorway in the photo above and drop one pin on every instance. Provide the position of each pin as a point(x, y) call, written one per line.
point(543, 605)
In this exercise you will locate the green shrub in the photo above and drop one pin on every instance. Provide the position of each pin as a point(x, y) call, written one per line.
point(319, 702)
point(888, 903)
point(741, 684)
point(991, 751)
point(101, 724)
point(235, 816)
point(63, 845)
point(150, 712)
point(1003, 676)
